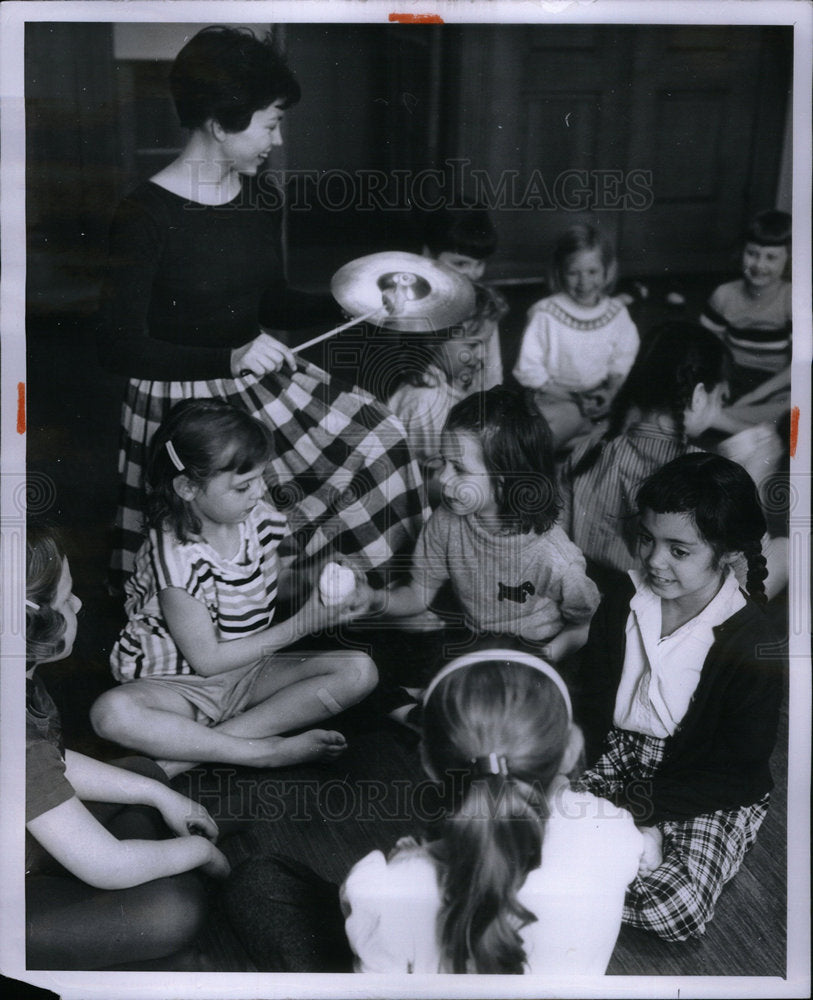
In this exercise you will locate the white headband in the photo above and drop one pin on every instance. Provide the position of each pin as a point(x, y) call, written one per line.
point(514, 656)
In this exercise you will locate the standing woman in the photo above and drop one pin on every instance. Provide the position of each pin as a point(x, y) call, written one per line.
point(194, 284)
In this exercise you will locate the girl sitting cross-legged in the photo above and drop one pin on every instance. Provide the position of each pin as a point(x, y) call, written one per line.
point(203, 674)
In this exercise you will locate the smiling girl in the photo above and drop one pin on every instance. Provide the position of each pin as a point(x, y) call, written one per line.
point(203, 676)
point(579, 343)
point(494, 538)
point(681, 678)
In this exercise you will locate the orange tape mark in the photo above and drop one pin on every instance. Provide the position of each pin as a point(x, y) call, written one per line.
point(21, 407)
point(794, 430)
point(416, 18)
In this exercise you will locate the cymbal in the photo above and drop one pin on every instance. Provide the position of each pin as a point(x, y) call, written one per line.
point(414, 293)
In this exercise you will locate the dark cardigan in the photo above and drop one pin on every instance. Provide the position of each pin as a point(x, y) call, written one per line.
point(718, 758)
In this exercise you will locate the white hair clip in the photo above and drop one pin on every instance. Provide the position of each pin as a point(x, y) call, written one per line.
point(170, 447)
point(31, 604)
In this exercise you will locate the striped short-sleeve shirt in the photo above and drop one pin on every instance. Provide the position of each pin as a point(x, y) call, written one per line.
point(239, 594)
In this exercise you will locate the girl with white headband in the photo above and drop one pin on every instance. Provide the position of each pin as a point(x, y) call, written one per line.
point(517, 872)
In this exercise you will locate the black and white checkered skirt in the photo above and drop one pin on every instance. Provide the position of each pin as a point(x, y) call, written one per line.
point(342, 474)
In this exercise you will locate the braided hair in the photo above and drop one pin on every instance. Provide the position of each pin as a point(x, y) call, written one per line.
point(722, 501)
point(676, 358)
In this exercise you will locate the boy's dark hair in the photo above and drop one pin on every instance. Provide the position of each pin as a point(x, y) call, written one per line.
point(228, 74)
point(208, 436)
point(676, 357)
point(517, 451)
point(460, 228)
point(771, 228)
point(723, 503)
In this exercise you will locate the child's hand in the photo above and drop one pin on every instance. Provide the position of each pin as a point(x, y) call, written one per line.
point(652, 852)
point(217, 865)
point(185, 817)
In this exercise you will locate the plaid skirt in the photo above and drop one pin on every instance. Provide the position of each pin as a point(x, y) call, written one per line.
point(700, 854)
point(342, 474)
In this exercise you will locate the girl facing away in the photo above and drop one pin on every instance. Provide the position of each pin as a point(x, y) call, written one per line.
point(517, 873)
point(674, 393)
point(680, 691)
point(579, 343)
point(114, 883)
point(513, 570)
point(202, 669)
point(523, 874)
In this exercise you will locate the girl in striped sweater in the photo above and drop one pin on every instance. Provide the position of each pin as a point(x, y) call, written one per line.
point(203, 674)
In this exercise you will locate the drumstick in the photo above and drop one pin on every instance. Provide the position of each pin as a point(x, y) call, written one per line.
point(344, 326)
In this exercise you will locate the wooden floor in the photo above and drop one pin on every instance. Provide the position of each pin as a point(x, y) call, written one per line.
point(328, 816)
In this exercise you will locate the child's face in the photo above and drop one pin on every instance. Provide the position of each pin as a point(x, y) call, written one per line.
point(464, 480)
point(584, 277)
point(229, 497)
point(462, 359)
point(679, 564)
point(763, 266)
point(67, 604)
point(471, 267)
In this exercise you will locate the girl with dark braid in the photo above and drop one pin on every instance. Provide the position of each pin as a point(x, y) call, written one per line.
point(674, 393)
point(682, 678)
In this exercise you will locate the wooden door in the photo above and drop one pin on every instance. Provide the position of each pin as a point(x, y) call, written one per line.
point(668, 138)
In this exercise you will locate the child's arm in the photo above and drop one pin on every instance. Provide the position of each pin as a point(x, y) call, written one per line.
point(74, 837)
point(531, 367)
point(408, 599)
point(569, 640)
point(192, 629)
point(94, 780)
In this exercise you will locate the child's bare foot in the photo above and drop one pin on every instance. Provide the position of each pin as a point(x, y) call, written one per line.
point(316, 744)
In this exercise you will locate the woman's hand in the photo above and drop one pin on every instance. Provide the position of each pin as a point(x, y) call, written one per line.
point(652, 852)
point(185, 817)
point(260, 356)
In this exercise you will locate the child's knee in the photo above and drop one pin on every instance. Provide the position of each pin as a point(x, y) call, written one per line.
point(181, 903)
point(366, 674)
point(114, 713)
point(675, 910)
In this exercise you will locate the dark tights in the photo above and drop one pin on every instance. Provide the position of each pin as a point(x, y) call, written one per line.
point(71, 925)
point(287, 917)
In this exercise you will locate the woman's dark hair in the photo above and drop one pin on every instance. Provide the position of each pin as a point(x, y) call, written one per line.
point(675, 358)
point(228, 74)
point(44, 559)
point(576, 239)
point(460, 228)
point(722, 501)
point(208, 436)
point(494, 824)
point(771, 228)
point(517, 452)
